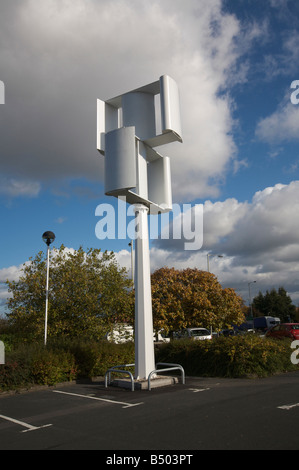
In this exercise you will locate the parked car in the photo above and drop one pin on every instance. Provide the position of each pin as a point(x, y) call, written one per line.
point(228, 332)
point(284, 330)
point(194, 333)
point(161, 337)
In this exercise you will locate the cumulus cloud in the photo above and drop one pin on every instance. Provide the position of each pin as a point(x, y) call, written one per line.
point(58, 56)
point(258, 240)
point(12, 273)
point(281, 126)
point(258, 229)
point(12, 187)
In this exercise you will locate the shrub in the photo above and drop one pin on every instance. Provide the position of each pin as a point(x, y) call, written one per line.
point(35, 364)
point(93, 358)
point(48, 367)
point(236, 356)
point(61, 361)
point(13, 376)
point(65, 360)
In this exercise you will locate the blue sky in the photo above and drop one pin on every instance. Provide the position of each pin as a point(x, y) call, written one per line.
point(234, 62)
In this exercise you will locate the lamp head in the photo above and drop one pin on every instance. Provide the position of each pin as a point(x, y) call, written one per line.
point(48, 238)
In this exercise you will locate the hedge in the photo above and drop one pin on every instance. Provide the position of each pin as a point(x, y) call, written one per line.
point(60, 361)
point(234, 357)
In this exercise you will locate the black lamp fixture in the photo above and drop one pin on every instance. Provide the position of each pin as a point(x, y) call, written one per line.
point(48, 238)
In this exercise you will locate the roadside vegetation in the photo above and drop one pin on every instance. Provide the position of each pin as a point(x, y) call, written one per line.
point(60, 361)
point(244, 356)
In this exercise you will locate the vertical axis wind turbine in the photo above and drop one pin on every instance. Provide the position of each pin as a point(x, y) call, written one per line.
point(136, 172)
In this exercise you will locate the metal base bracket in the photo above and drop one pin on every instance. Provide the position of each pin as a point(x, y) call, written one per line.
point(153, 380)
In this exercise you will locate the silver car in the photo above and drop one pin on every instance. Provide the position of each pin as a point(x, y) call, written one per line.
point(195, 334)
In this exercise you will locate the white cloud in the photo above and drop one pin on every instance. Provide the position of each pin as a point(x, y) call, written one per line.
point(258, 240)
point(12, 273)
point(61, 220)
point(281, 126)
point(262, 229)
point(13, 187)
point(59, 56)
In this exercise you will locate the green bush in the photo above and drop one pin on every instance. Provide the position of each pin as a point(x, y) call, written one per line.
point(35, 364)
point(236, 356)
point(65, 360)
point(93, 358)
point(60, 361)
point(13, 376)
point(7, 339)
point(48, 367)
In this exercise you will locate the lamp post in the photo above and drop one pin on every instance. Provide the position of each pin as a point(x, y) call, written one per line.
point(48, 238)
point(131, 244)
point(249, 291)
point(208, 260)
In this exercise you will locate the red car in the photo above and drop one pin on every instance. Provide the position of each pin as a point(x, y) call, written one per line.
point(284, 330)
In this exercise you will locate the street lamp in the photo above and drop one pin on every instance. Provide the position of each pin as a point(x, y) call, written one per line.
point(208, 259)
point(249, 283)
point(48, 238)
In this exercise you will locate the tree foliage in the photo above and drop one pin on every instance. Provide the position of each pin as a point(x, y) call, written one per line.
point(88, 292)
point(193, 298)
point(275, 303)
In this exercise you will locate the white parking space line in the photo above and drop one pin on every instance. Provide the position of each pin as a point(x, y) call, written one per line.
point(126, 405)
point(25, 425)
point(288, 407)
point(196, 390)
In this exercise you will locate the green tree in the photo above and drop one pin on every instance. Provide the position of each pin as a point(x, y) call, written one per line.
point(88, 293)
point(190, 298)
point(275, 303)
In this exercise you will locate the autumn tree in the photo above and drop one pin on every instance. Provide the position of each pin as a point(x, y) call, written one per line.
point(193, 298)
point(88, 293)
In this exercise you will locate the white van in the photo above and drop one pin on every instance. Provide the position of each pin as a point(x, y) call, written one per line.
point(121, 333)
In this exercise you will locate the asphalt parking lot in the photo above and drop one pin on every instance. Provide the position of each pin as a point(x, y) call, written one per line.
point(203, 414)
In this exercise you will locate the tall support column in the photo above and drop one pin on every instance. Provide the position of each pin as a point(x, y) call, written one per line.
point(144, 341)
